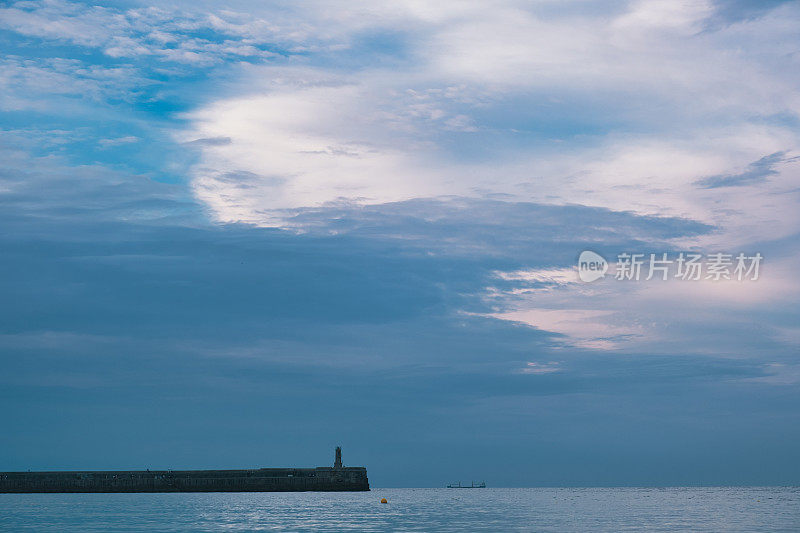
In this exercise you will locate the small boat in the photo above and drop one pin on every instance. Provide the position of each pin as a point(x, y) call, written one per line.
point(473, 485)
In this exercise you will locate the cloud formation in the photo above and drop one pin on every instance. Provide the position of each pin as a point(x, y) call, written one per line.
point(164, 34)
point(331, 215)
point(756, 172)
point(626, 108)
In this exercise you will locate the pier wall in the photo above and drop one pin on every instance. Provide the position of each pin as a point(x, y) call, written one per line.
point(257, 480)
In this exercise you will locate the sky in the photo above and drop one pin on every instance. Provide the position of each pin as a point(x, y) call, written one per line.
point(238, 235)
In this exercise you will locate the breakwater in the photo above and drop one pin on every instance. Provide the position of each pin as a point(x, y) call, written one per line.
point(336, 478)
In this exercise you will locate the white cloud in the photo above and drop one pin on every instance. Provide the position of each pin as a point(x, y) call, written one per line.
point(558, 276)
point(118, 141)
point(674, 316)
point(541, 368)
point(691, 103)
point(315, 140)
point(165, 34)
point(33, 83)
point(583, 328)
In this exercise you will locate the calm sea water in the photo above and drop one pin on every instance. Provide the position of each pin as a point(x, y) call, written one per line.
point(581, 509)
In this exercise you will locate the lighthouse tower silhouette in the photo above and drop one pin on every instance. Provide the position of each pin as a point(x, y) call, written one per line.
point(337, 462)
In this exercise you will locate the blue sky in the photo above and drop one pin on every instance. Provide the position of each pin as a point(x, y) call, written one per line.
point(238, 236)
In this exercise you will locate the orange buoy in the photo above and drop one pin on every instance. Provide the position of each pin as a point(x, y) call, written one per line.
point(383, 500)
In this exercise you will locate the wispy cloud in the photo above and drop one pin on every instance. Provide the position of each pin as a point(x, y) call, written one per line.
point(165, 34)
point(541, 368)
point(118, 141)
point(756, 172)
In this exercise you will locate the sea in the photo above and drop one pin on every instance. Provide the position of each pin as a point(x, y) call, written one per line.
point(430, 510)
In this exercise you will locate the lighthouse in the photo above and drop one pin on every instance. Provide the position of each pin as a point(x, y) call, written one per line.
point(337, 462)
